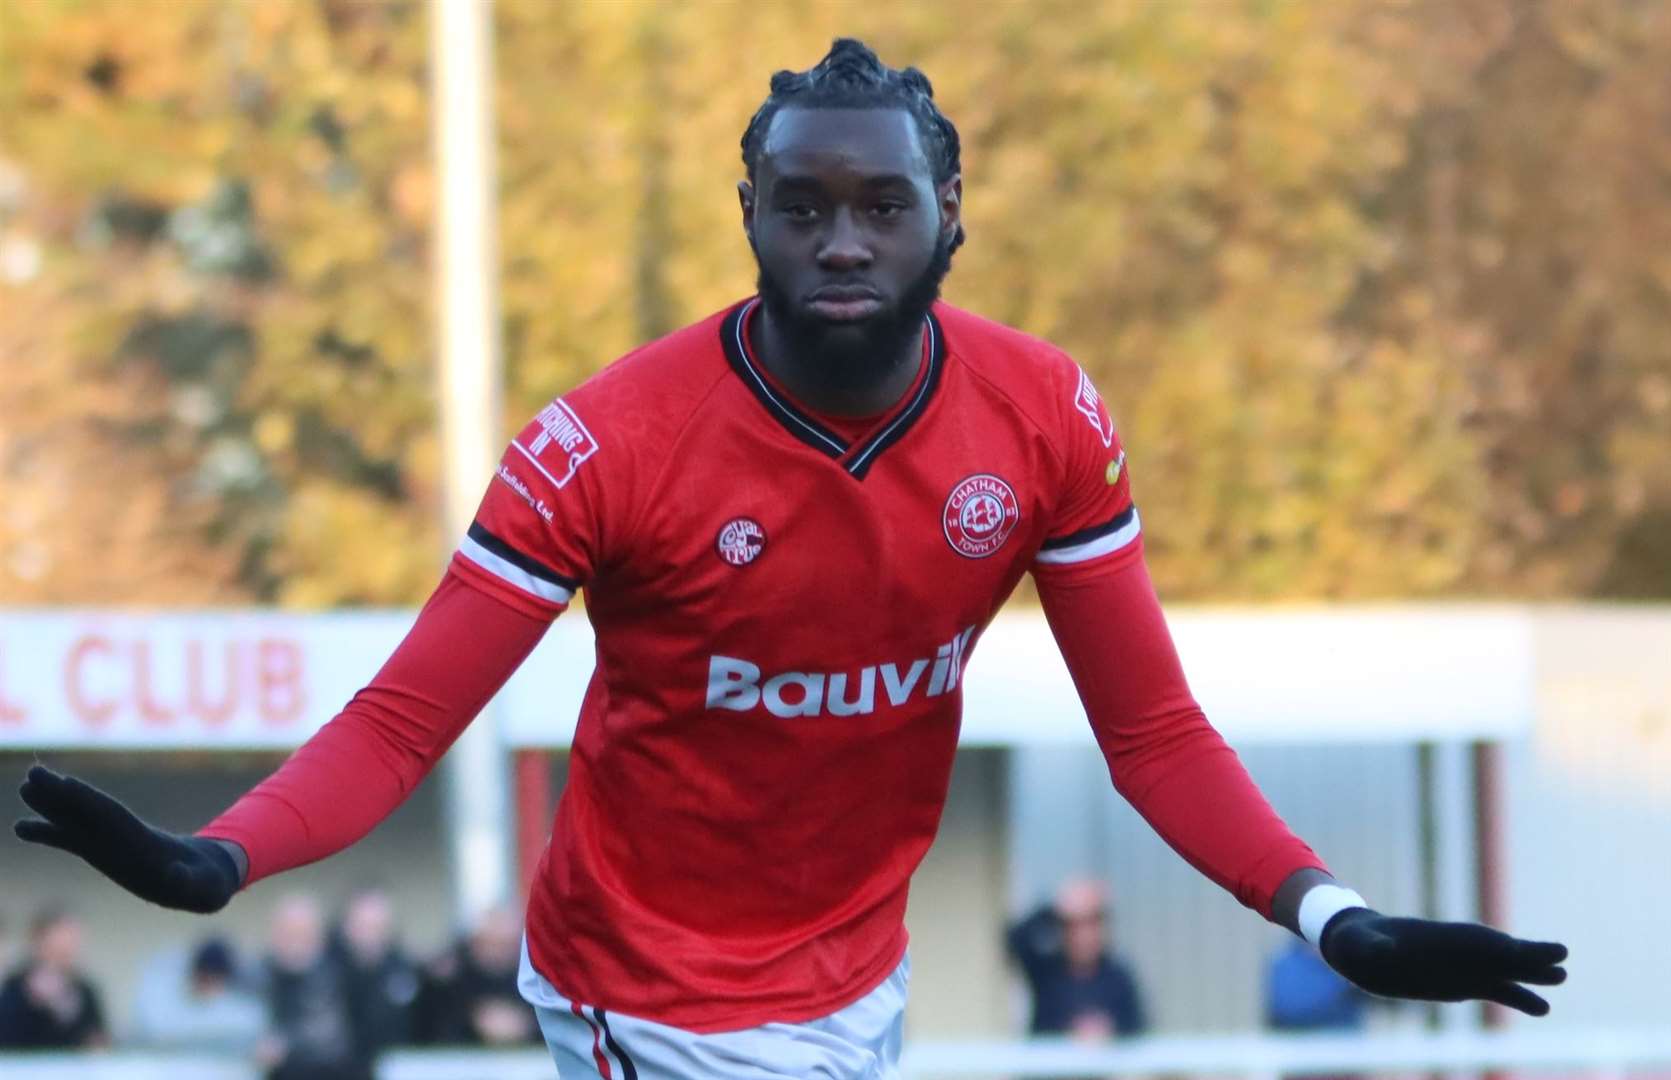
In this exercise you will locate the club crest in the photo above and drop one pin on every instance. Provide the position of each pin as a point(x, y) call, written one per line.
point(979, 515)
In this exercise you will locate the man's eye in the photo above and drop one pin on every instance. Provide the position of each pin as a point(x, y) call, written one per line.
point(800, 211)
point(889, 209)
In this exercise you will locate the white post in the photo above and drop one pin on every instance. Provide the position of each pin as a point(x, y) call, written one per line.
point(1457, 848)
point(477, 796)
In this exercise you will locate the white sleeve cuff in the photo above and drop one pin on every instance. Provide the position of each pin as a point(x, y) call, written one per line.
point(1322, 903)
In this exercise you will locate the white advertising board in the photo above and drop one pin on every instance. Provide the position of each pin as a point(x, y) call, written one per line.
point(1285, 675)
point(182, 680)
point(240, 680)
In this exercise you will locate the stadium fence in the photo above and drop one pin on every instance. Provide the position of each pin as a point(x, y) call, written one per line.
point(1599, 1054)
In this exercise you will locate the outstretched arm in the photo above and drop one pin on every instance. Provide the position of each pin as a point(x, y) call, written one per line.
point(1163, 755)
point(332, 791)
point(1178, 772)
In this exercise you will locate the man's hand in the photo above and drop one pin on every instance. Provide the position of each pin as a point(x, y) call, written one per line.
point(1440, 961)
point(184, 872)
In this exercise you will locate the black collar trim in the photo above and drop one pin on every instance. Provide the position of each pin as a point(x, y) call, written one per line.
point(856, 459)
point(796, 422)
point(865, 454)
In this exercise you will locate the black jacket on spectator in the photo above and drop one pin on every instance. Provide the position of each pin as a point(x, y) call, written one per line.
point(382, 999)
point(454, 987)
point(26, 1024)
point(1059, 995)
point(309, 1011)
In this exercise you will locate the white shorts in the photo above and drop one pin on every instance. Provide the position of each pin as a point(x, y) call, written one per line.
point(858, 1042)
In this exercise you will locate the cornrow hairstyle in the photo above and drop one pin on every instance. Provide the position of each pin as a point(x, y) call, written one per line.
point(851, 76)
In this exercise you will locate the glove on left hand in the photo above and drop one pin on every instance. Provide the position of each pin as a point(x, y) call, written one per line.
point(1440, 961)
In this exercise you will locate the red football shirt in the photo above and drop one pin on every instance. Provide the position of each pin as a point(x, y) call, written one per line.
point(784, 607)
point(782, 617)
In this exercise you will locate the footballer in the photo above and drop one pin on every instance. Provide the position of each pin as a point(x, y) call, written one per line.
point(793, 520)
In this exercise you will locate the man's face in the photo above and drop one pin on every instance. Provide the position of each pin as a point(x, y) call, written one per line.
point(1084, 936)
point(368, 924)
point(297, 935)
point(59, 944)
point(850, 232)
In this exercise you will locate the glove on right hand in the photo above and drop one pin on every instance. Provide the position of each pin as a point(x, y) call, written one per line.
point(188, 873)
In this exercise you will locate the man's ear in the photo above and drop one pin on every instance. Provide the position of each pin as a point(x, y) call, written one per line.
point(745, 200)
point(951, 205)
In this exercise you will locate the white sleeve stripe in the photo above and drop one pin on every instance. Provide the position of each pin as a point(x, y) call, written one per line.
point(1091, 549)
point(507, 571)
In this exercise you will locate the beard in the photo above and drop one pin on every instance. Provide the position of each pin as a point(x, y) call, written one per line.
point(853, 356)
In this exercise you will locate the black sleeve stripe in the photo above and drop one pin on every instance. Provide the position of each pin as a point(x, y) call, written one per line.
point(1114, 524)
point(517, 559)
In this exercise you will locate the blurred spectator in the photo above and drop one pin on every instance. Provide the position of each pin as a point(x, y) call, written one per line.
point(1079, 988)
point(470, 996)
point(1302, 993)
point(307, 1001)
point(381, 982)
point(46, 1003)
point(196, 1001)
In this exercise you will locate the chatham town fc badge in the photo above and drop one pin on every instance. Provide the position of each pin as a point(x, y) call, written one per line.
point(980, 514)
point(741, 541)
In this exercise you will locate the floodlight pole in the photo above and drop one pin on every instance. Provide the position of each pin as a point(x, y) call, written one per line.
point(475, 772)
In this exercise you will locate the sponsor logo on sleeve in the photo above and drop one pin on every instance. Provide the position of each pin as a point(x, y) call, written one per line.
point(1089, 403)
point(560, 443)
point(515, 483)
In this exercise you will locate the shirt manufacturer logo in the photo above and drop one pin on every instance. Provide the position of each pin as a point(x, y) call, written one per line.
point(741, 541)
point(559, 445)
point(979, 515)
point(1112, 473)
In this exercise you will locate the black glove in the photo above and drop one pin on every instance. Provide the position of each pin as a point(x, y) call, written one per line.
point(184, 872)
point(1440, 961)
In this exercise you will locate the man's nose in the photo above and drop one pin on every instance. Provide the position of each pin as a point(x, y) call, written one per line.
point(845, 246)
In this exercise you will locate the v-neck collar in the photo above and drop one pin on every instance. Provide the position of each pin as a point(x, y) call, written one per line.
point(855, 457)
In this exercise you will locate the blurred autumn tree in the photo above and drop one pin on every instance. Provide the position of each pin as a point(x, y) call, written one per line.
point(225, 315)
point(1376, 291)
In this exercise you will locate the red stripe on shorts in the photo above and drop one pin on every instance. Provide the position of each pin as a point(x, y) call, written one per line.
point(597, 1044)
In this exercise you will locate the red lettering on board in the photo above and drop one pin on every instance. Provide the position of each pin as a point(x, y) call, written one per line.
point(213, 712)
point(279, 674)
point(91, 713)
point(12, 714)
point(153, 712)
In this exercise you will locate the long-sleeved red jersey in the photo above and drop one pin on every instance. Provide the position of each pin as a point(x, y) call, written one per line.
point(783, 606)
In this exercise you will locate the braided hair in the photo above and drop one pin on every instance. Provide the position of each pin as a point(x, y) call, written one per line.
point(851, 76)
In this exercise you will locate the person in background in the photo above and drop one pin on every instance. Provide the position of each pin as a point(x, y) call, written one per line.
point(46, 1003)
point(198, 1002)
point(471, 996)
point(307, 1001)
point(1079, 988)
point(381, 981)
point(1302, 993)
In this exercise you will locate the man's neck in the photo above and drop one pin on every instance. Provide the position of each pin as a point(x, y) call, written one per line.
point(804, 381)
